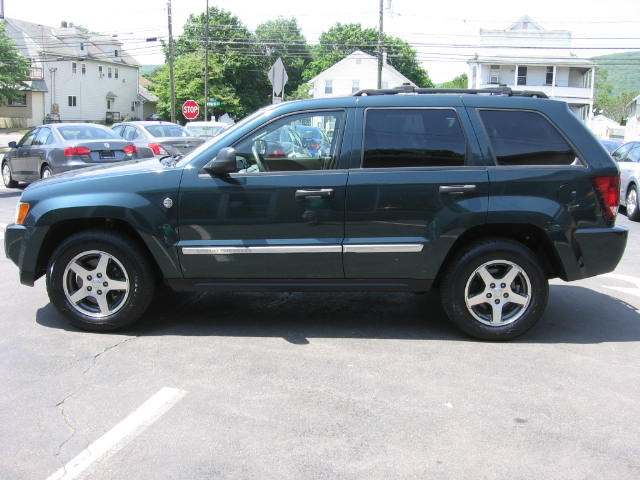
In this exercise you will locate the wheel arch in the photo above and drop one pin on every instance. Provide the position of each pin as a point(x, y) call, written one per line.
point(531, 236)
point(58, 232)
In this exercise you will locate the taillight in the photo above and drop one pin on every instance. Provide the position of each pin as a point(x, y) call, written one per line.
point(74, 151)
point(158, 149)
point(130, 149)
point(609, 190)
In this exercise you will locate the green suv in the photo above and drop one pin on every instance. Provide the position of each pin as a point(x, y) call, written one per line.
point(485, 194)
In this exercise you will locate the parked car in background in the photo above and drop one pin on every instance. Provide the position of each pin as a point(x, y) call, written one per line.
point(610, 145)
point(314, 140)
point(161, 138)
point(628, 158)
point(206, 129)
point(55, 148)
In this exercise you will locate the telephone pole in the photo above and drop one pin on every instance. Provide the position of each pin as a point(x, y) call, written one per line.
point(380, 46)
point(206, 61)
point(171, 80)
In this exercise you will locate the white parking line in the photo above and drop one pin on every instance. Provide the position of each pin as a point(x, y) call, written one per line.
point(122, 433)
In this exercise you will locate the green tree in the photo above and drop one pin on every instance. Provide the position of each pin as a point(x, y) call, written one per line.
point(189, 85)
point(461, 81)
point(282, 38)
point(14, 69)
point(605, 102)
point(234, 51)
point(342, 39)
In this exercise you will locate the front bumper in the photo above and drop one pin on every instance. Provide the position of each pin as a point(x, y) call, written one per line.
point(16, 241)
point(598, 251)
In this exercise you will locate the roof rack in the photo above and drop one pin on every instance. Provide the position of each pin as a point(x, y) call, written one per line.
point(406, 88)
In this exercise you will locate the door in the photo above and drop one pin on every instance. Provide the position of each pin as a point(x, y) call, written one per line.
point(414, 192)
point(281, 215)
point(39, 149)
point(20, 164)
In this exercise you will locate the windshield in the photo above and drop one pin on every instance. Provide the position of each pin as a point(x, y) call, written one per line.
point(168, 130)
point(205, 131)
point(86, 132)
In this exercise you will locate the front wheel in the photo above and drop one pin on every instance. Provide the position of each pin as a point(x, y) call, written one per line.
point(100, 280)
point(7, 177)
point(633, 210)
point(45, 172)
point(495, 290)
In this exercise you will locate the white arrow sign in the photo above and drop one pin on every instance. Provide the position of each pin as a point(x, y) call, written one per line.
point(278, 76)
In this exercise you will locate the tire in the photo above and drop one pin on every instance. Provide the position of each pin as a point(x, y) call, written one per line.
point(93, 262)
point(631, 203)
point(7, 177)
point(484, 308)
point(45, 172)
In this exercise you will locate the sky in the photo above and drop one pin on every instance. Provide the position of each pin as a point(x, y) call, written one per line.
point(442, 32)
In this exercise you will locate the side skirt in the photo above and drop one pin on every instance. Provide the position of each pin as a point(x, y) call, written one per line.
point(300, 285)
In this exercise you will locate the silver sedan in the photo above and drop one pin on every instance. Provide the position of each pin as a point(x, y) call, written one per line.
point(628, 158)
point(55, 148)
point(158, 138)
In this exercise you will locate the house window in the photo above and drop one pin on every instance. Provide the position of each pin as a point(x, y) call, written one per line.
point(109, 103)
point(115, 72)
point(133, 106)
point(494, 75)
point(522, 75)
point(549, 78)
point(115, 53)
point(100, 72)
point(328, 86)
point(81, 45)
point(358, 61)
point(355, 86)
point(72, 100)
point(84, 69)
point(74, 67)
point(19, 101)
point(109, 72)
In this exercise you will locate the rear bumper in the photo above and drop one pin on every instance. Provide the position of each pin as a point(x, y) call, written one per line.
point(598, 250)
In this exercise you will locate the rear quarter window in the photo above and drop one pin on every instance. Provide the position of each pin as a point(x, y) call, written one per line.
point(526, 138)
point(413, 138)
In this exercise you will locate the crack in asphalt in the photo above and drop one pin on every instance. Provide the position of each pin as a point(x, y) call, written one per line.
point(61, 403)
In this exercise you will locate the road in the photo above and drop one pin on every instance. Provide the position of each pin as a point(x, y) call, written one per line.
point(326, 385)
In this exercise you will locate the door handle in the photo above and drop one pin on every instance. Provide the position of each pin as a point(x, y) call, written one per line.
point(457, 189)
point(314, 194)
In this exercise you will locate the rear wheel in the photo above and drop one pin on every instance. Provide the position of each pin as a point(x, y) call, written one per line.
point(7, 177)
point(100, 280)
point(45, 172)
point(495, 290)
point(633, 211)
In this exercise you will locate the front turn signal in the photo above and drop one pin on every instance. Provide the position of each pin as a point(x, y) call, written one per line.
point(21, 212)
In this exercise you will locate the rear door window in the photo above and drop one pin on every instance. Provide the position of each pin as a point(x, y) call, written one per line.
point(521, 137)
point(421, 137)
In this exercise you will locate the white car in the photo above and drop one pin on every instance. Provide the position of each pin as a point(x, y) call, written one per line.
point(206, 129)
point(628, 158)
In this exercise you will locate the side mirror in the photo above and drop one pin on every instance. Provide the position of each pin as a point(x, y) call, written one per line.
point(223, 163)
point(12, 144)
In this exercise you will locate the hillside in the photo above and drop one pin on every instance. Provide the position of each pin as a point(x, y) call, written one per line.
point(623, 71)
point(145, 69)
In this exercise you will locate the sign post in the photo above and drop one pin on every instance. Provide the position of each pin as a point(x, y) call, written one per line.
point(278, 78)
point(190, 109)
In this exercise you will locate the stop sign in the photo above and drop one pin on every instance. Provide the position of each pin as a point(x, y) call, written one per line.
point(190, 109)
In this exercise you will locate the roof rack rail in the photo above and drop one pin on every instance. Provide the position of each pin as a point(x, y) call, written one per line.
point(406, 88)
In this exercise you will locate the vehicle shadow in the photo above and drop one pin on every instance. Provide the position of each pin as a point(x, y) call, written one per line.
point(574, 315)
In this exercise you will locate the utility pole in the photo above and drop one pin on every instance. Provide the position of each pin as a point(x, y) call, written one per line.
point(380, 46)
point(173, 86)
point(206, 62)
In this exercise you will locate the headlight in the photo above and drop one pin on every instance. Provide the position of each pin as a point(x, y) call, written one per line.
point(21, 212)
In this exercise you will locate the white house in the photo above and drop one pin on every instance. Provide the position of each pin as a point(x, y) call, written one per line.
point(606, 128)
point(357, 71)
point(74, 77)
point(525, 56)
point(632, 130)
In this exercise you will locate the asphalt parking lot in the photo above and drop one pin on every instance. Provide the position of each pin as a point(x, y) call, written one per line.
point(276, 385)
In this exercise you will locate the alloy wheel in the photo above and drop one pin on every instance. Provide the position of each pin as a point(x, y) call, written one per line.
point(498, 293)
point(632, 202)
point(6, 173)
point(96, 284)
